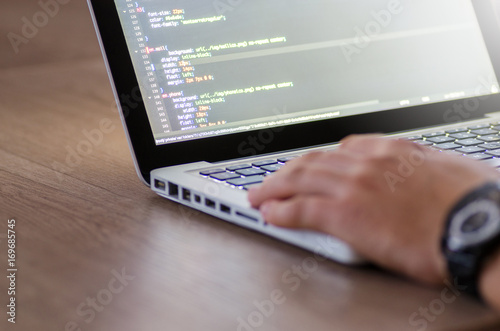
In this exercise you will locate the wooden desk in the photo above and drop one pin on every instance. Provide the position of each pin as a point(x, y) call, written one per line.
point(87, 228)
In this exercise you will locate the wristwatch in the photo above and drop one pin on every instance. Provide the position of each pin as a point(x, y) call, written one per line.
point(471, 235)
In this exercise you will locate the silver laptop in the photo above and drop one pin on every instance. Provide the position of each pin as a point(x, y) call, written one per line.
point(216, 95)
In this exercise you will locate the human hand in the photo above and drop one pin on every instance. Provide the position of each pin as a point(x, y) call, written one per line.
point(387, 198)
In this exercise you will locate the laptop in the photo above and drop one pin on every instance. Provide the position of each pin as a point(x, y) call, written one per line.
point(216, 95)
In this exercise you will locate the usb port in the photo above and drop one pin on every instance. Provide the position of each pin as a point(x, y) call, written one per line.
point(160, 185)
point(186, 194)
point(225, 209)
point(173, 190)
point(210, 203)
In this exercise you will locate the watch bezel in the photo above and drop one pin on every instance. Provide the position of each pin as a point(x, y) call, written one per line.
point(458, 240)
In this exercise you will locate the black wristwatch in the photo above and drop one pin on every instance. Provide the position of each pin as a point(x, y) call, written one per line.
point(472, 234)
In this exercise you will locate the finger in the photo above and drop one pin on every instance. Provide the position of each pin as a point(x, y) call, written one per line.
point(306, 212)
point(360, 143)
point(313, 175)
point(381, 146)
point(313, 179)
point(322, 214)
point(339, 159)
point(347, 223)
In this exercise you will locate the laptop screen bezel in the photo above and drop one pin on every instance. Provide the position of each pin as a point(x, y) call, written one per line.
point(150, 156)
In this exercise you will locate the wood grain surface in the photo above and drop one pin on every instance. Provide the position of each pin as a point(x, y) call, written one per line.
point(87, 228)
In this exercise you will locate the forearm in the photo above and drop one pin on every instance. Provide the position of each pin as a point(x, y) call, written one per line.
point(489, 281)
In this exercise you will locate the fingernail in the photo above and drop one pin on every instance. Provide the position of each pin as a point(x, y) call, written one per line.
point(264, 209)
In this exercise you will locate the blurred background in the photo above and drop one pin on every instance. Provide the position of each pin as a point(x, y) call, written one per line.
point(51, 44)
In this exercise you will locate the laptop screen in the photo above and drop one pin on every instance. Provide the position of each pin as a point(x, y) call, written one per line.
point(208, 68)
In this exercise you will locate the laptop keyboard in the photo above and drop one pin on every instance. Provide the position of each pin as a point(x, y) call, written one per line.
point(246, 174)
point(479, 142)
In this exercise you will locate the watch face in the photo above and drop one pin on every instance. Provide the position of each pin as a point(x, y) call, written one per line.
point(476, 223)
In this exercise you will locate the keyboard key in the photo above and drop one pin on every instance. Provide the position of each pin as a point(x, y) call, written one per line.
point(250, 172)
point(469, 142)
point(484, 132)
point(447, 146)
point(238, 167)
point(272, 167)
point(470, 150)
point(463, 135)
point(434, 134)
point(457, 130)
point(264, 163)
point(225, 176)
point(440, 139)
point(413, 138)
point(496, 127)
point(495, 153)
point(490, 138)
point(211, 172)
point(479, 156)
point(286, 159)
point(490, 146)
point(493, 162)
point(246, 181)
point(479, 126)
